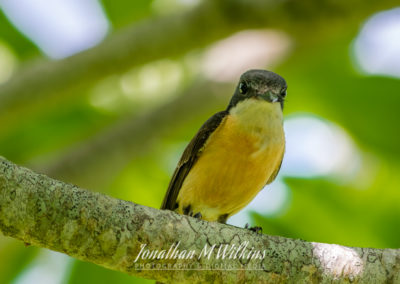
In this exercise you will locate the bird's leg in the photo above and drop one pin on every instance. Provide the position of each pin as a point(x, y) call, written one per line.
point(222, 218)
point(188, 210)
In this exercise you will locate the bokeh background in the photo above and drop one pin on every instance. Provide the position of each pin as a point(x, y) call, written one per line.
point(106, 95)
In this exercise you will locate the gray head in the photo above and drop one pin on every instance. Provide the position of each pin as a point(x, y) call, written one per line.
point(260, 84)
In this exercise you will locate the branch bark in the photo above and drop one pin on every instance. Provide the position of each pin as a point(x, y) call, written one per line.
point(112, 233)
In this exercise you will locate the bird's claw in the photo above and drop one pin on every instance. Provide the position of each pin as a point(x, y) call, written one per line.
point(256, 229)
point(197, 215)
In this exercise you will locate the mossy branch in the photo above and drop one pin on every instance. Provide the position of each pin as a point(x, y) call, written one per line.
point(112, 233)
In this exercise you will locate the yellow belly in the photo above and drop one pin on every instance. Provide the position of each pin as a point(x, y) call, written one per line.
point(236, 162)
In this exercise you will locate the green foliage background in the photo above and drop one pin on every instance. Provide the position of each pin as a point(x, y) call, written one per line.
point(322, 80)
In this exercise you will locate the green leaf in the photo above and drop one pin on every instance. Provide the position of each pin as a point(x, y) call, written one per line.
point(84, 272)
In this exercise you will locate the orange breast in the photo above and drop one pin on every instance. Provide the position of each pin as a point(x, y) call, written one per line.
point(235, 164)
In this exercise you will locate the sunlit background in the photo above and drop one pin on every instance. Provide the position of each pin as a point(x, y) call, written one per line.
point(122, 130)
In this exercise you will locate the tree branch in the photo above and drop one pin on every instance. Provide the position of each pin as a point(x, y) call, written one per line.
point(112, 233)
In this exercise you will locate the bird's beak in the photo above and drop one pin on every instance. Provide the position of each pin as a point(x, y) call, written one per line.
point(268, 96)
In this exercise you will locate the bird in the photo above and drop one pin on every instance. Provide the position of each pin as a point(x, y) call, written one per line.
point(235, 153)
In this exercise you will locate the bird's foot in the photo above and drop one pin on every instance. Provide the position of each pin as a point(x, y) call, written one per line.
point(197, 215)
point(188, 211)
point(256, 229)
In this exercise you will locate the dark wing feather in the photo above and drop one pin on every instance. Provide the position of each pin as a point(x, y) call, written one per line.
point(189, 157)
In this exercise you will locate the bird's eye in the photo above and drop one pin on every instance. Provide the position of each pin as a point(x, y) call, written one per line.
point(283, 93)
point(243, 88)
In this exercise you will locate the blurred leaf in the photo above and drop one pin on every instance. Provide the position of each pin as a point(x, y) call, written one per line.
point(14, 258)
point(84, 272)
point(51, 130)
point(22, 46)
point(125, 12)
point(322, 80)
point(323, 211)
point(142, 182)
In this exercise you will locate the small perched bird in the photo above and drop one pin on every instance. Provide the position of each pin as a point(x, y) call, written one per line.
point(234, 154)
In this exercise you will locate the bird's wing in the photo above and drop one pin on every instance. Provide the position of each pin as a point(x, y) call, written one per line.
point(189, 157)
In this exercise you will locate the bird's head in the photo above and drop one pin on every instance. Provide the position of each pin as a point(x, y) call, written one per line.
point(262, 85)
